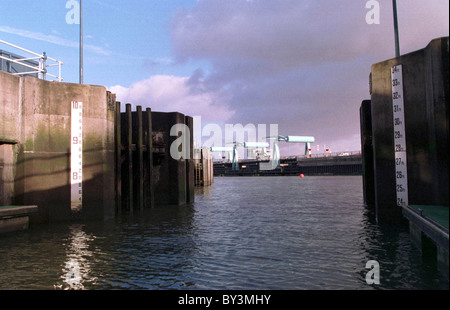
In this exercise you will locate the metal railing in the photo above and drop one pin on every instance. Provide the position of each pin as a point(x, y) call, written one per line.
point(328, 154)
point(40, 65)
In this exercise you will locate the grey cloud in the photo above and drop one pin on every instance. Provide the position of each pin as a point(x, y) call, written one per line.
point(301, 64)
point(285, 33)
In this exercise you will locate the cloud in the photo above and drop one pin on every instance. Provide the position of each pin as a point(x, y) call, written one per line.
point(301, 64)
point(109, 6)
point(166, 93)
point(279, 33)
point(53, 39)
point(287, 33)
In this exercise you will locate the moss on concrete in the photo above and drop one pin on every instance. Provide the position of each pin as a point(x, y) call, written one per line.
point(49, 139)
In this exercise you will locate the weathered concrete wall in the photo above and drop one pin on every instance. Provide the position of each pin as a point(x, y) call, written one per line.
point(9, 133)
point(425, 87)
point(36, 116)
point(6, 174)
point(10, 104)
point(127, 158)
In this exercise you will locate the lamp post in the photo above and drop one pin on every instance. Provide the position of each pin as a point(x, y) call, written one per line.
point(81, 41)
point(397, 44)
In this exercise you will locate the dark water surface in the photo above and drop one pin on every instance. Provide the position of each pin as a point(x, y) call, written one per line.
point(242, 233)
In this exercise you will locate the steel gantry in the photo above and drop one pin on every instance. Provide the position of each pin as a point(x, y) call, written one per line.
point(275, 160)
point(289, 139)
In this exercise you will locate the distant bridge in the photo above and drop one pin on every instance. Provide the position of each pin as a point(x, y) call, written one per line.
point(344, 163)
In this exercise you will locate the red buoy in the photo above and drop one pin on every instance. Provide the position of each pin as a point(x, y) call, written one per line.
point(302, 175)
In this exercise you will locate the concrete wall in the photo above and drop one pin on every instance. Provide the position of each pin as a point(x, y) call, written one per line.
point(10, 104)
point(6, 174)
point(126, 156)
point(35, 117)
point(425, 86)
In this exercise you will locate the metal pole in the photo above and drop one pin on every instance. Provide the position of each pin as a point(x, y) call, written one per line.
point(81, 41)
point(397, 44)
point(44, 65)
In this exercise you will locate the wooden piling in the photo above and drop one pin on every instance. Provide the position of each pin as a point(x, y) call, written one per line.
point(129, 149)
point(190, 177)
point(140, 158)
point(149, 190)
point(175, 184)
point(118, 159)
point(204, 169)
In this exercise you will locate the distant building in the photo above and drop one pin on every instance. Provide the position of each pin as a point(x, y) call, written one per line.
point(12, 67)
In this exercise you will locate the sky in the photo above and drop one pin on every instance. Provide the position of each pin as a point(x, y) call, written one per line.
point(302, 65)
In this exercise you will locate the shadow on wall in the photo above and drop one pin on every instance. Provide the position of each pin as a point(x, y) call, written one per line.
point(425, 91)
point(43, 179)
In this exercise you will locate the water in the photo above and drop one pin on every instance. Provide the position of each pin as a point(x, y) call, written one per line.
point(280, 233)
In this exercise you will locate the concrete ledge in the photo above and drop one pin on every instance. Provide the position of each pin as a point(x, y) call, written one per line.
point(15, 218)
point(437, 214)
point(17, 211)
point(420, 224)
point(14, 224)
point(433, 230)
point(4, 140)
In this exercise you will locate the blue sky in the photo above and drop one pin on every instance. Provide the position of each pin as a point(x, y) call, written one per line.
point(125, 41)
point(301, 64)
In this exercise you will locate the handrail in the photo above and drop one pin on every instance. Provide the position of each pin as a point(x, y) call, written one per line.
point(330, 154)
point(40, 69)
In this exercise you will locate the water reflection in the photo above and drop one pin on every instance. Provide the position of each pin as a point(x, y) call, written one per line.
point(152, 249)
point(241, 233)
point(402, 264)
point(76, 271)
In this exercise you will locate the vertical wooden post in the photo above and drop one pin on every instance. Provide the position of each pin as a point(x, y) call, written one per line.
point(140, 156)
point(190, 174)
point(150, 158)
point(211, 169)
point(205, 163)
point(129, 145)
point(118, 158)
